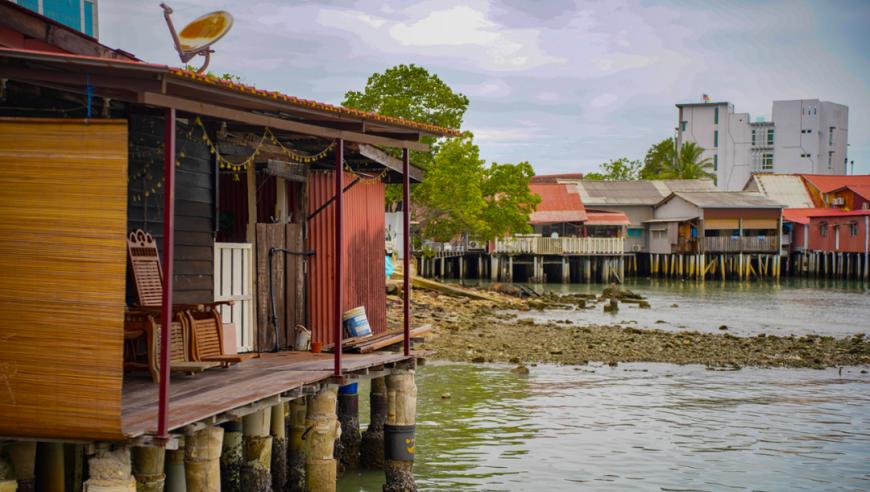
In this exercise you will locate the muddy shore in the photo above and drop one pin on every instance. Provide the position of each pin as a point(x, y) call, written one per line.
point(487, 331)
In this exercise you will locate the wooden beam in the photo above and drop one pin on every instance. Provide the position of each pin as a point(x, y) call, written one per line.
point(290, 171)
point(205, 109)
point(389, 161)
point(79, 80)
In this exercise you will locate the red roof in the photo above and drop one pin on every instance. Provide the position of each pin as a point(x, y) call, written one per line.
point(862, 190)
point(827, 183)
point(553, 178)
point(559, 203)
point(606, 218)
point(802, 215)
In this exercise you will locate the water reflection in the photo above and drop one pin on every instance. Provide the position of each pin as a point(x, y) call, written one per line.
point(639, 427)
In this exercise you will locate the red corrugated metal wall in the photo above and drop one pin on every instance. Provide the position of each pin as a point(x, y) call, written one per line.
point(363, 274)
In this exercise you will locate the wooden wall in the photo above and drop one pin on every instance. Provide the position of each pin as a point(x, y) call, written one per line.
point(63, 257)
point(194, 202)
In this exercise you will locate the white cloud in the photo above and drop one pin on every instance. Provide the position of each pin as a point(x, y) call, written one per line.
point(603, 100)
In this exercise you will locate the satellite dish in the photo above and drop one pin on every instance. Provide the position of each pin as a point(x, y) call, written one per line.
point(197, 37)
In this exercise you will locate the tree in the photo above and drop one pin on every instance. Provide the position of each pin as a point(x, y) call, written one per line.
point(410, 92)
point(451, 196)
point(621, 169)
point(509, 201)
point(658, 158)
point(689, 164)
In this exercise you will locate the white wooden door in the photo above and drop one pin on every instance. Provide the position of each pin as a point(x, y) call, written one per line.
point(233, 281)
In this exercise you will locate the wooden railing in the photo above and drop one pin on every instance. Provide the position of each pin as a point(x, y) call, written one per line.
point(561, 245)
point(727, 244)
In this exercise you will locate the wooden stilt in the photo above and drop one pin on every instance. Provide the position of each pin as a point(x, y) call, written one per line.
point(202, 453)
point(50, 458)
point(231, 457)
point(256, 473)
point(399, 432)
point(372, 454)
point(148, 469)
point(278, 466)
point(175, 474)
point(348, 417)
point(320, 441)
point(8, 480)
point(109, 471)
point(22, 455)
point(296, 449)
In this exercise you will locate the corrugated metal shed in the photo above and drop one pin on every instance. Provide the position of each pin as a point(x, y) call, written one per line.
point(364, 273)
point(606, 218)
point(641, 192)
point(559, 203)
point(787, 189)
point(725, 199)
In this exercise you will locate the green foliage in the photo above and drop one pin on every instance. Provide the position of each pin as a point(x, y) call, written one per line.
point(509, 201)
point(658, 158)
point(451, 196)
point(689, 164)
point(622, 169)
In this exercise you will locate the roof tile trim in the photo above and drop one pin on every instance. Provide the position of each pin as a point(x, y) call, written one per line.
point(307, 103)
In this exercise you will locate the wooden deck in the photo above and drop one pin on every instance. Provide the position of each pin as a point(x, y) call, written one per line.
point(200, 397)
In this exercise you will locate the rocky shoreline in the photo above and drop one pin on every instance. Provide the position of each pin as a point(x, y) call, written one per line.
point(488, 331)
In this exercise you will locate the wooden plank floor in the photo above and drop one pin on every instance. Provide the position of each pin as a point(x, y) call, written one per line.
point(194, 398)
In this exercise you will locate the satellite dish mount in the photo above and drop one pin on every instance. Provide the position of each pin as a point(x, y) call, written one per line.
point(197, 37)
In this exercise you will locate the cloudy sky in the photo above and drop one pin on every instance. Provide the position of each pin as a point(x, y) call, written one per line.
point(564, 85)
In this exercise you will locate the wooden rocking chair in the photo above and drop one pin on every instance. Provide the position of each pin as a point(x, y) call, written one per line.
point(207, 338)
point(179, 360)
point(148, 280)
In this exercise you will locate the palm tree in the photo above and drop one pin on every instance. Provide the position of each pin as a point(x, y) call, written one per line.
point(689, 164)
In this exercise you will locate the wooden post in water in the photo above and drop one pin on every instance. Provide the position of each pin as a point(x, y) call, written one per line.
point(148, 468)
point(202, 453)
point(399, 431)
point(510, 272)
point(348, 417)
point(50, 463)
point(323, 429)
point(493, 268)
point(22, 454)
point(278, 465)
point(296, 450)
point(372, 448)
point(256, 475)
point(108, 471)
point(566, 270)
point(231, 457)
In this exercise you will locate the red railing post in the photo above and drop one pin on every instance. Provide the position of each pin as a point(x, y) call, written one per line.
point(339, 226)
point(168, 258)
point(406, 247)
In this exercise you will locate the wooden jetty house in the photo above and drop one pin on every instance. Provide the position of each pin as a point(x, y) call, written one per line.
point(137, 197)
point(716, 233)
point(568, 242)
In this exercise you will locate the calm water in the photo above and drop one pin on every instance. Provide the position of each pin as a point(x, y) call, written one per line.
point(638, 427)
point(792, 307)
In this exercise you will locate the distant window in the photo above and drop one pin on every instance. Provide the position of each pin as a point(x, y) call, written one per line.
point(830, 156)
point(660, 234)
point(89, 18)
point(64, 11)
point(823, 229)
point(635, 232)
point(831, 136)
point(683, 125)
point(770, 136)
point(30, 4)
point(853, 229)
point(754, 136)
point(767, 162)
point(715, 138)
point(716, 116)
point(715, 162)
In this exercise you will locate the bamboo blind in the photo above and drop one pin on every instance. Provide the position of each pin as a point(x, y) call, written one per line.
point(63, 203)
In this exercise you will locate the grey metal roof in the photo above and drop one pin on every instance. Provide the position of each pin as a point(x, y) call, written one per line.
point(788, 189)
point(602, 193)
point(726, 199)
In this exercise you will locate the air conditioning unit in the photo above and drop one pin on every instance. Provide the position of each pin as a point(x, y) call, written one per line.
point(636, 248)
point(837, 201)
point(475, 245)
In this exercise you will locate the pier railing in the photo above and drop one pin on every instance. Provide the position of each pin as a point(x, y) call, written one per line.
point(727, 244)
point(561, 245)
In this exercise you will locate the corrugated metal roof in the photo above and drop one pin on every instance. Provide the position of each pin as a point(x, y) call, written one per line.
point(555, 178)
point(559, 203)
point(862, 190)
point(787, 189)
point(607, 218)
point(802, 215)
point(725, 199)
point(827, 183)
point(642, 192)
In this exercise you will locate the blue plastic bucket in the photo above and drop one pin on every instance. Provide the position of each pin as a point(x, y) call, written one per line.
point(356, 324)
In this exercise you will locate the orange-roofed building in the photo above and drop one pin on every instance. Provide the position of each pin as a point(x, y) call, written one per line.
point(831, 190)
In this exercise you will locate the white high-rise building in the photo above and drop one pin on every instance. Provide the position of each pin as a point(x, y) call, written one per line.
point(804, 136)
